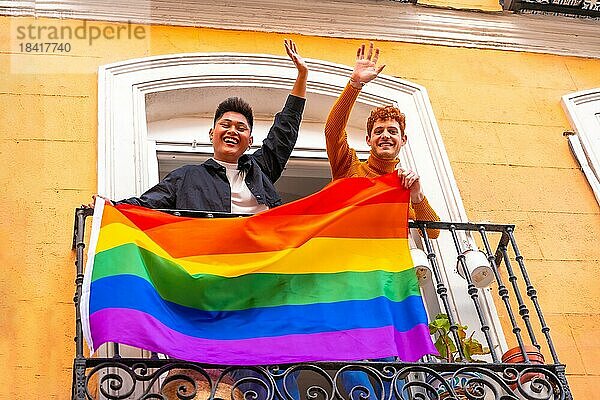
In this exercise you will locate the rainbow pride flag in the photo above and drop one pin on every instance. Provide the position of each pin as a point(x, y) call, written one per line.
point(328, 277)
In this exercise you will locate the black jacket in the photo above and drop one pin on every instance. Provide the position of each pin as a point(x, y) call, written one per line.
point(205, 187)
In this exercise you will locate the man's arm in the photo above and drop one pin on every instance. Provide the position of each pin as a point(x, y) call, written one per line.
point(424, 212)
point(340, 155)
point(279, 143)
point(162, 195)
point(418, 202)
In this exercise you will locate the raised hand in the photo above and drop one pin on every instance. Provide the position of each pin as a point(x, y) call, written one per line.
point(365, 69)
point(292, 52)
point(299, 88)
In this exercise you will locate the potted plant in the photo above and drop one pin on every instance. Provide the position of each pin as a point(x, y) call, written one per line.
point(448, 351)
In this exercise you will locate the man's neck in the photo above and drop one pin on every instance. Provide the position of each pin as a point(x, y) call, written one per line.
point(380, 165)
point(225, 159)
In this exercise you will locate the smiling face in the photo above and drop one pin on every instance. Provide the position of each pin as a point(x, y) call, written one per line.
point(230, 136)
point(386, 139)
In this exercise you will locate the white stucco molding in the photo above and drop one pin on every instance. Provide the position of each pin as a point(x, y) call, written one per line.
point(583, 111)
point(360, 19)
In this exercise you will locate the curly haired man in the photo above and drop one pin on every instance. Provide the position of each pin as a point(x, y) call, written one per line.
point(385, 135)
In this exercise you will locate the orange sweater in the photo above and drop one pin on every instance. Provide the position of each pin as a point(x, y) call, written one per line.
point(344, 162)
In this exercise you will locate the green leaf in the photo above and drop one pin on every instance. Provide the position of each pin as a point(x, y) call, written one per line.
point(440, 345)
point(472, 347)
point(440, 324)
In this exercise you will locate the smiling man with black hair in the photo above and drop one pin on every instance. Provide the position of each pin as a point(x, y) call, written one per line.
point(231, 181)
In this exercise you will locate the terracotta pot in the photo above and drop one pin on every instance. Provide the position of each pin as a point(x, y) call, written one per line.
point(514, 356)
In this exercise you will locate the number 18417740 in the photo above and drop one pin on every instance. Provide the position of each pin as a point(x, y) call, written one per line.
point(45, 47)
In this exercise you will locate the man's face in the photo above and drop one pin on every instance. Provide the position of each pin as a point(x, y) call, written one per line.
point(230, 137)
point(386, 139)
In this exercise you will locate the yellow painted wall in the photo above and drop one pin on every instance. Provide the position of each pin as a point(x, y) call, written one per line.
point(499, 113)
point(480, 5)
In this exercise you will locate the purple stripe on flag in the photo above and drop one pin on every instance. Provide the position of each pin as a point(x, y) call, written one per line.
point(139, 329)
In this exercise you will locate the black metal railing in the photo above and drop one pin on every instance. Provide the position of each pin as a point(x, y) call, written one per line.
point(156, 377)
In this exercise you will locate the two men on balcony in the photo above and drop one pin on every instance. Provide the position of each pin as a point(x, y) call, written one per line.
point(232, 181)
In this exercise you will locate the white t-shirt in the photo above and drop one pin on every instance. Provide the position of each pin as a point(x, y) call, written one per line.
point(242, 199)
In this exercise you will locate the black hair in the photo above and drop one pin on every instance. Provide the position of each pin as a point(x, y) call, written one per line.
point(237, 105)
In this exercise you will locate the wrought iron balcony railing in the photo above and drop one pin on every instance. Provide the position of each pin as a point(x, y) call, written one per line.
point(493, 377)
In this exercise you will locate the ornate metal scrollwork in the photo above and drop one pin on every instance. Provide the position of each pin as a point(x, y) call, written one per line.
point(171, 379)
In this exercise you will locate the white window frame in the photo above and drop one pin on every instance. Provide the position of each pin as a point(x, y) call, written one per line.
point(127, 162)
point(583, 110)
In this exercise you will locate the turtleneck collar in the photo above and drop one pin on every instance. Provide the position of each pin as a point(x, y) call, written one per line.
point(381, 166)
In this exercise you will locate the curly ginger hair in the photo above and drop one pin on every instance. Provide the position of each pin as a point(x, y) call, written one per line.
point(383, 113)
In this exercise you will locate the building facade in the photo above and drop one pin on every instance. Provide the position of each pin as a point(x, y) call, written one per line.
point(494, 82)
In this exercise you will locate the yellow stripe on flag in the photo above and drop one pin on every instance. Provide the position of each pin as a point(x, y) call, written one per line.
point(348, 255)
